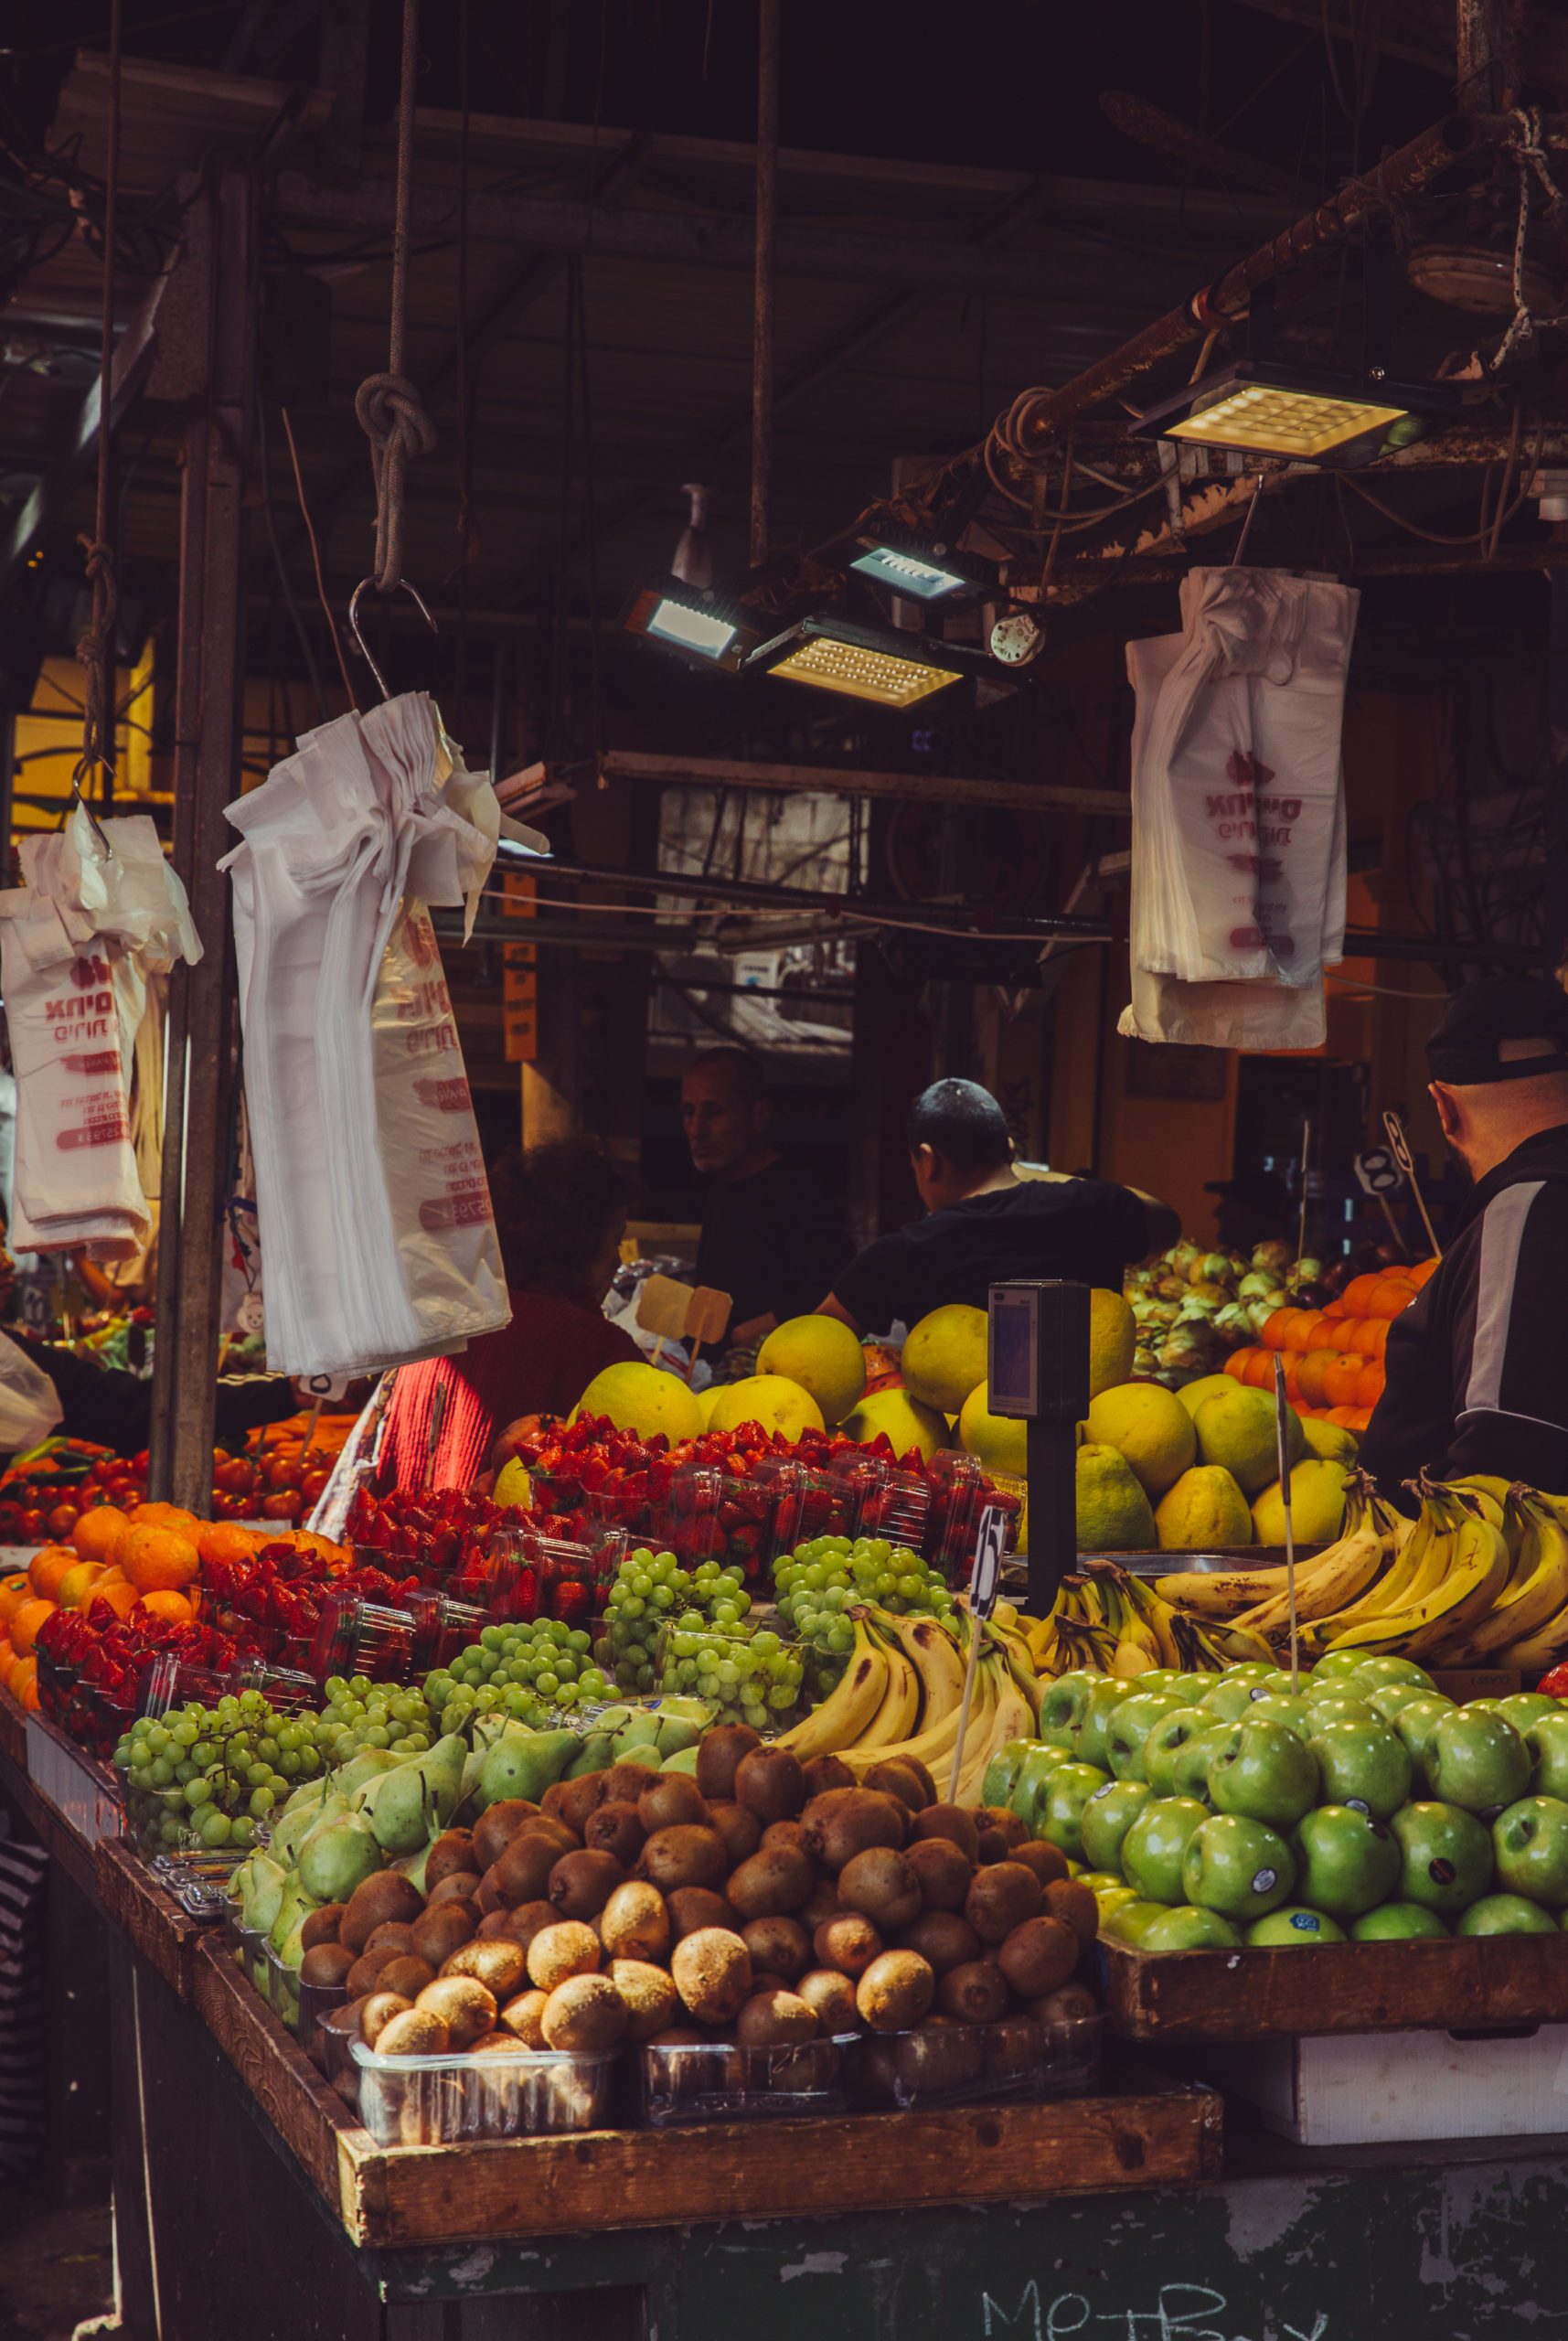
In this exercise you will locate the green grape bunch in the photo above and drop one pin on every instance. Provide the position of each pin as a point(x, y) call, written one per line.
point(818, 1584)
point(521, 1671)
point(650, 1590)
point(752, 1677)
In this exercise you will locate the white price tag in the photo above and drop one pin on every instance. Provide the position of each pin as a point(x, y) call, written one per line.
point(985, 1578)
point(322, 1385)
point(1378, 1173)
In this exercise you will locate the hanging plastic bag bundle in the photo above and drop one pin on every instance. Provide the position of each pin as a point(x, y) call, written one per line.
point(374, 1213)
point(99, 912)
point(1238, 873)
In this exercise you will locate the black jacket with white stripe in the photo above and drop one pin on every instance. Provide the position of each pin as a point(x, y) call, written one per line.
point(1477, 1365)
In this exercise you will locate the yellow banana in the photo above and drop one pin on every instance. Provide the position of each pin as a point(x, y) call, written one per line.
point(932, 1651)
point(1158, 1616)
point(977, 1737)
point(1478, 1568)
point(1544, 1649)
point(1396, 1588)
point(1217, 1595)
point(1336, 1579)
point(1522, 1610)
point(897, 1717)
point(849, 1709)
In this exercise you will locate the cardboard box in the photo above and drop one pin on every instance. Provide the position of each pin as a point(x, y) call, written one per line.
point(1462, 1682)
point(1371, 2089)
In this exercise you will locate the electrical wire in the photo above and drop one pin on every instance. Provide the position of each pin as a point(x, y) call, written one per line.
point(1488, 530)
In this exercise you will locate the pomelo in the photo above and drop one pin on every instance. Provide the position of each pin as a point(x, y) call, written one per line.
point(824, 1356)
point(945, 1356)
point(1000, 1443)
point(1113, 1340)
point(768, 1399)
point(906, 1422)
point(512, 1483)
point(1149, 1429)
point(1114, 1513)
point(1328, 1442)
point(1317, 1505)
point(643, 1399)
point(1192, 1394)
point(1235, 1430)
point(1204, 1507)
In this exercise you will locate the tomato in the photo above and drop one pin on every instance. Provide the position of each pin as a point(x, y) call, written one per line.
point(234, 1474)
point(283, 1503)
point(284, 1475)
point(62, 1520)
point(30, 1527)
point(314, 1486)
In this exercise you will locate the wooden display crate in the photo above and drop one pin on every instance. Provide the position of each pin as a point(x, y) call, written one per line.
point(1482, 1985)
point(166, 1936)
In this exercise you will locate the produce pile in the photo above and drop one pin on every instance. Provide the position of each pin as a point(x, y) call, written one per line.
point(1333, 1356)
point(285, 1469)
point(1211, 1813)
point(1193, 1306)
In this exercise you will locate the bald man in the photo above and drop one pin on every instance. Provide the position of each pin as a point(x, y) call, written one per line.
point(1477, 1364)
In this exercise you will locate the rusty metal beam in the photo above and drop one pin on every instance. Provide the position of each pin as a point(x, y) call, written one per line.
point(1149, 126)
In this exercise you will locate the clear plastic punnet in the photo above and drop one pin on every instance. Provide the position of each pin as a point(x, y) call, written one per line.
point(483, 2093)
point(717, 2080)
point(962, 1490)
point(957, 2064)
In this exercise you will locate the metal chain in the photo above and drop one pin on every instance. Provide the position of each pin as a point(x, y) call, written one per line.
point(95, 649)
point(390, 410)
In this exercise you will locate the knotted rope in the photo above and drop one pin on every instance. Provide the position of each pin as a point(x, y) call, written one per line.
point(392, 413)
point(1529, 149)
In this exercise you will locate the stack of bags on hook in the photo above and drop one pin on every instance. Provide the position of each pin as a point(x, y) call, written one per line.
point(100, 914)
point(377, 1238)
point(1238, 868)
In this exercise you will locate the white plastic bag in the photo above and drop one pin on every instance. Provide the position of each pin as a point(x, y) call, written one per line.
point(30, 1402)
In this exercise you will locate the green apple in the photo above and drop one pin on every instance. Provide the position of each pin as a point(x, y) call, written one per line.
point(1165, 1742)
point(1530, 1845)
point(1194, 1688)
point(1390, 1699)
point(1505, 1914)
point(1190, 1773)
point(1133, 1919)
point(1335, 1664)
point(1067, 1791)
point(1346, 1861)
point(1107, 1816)
point(1373, 1671)
point(1548, 1744)
point(1275, 1684)
point(1109, 1899)
point(1277, 1706)
point(1190, 1929)
point(1475, 1759)
point(1484, 1706)
point(1446, 1856)
point(1415, 1726)
point(1523, 1708)
point(1229, 1700)
point(1238, 1866)
point(1106, 1693)
point(1063, 1704)
point(1293, 1926)
point(1155, 1844)
point(1363, 1765)
point(1270, 1775)
point(1250, 1670)
point(1330, 1708)
point(1129, 1727)
point(1028, 1798)
point(1158, 1678)
point(1398, 1922)
point(1103, 1881)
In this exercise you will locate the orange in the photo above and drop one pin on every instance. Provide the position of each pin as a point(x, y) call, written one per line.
point(46, 1567)
point(1369, 1384)
point(1259, 1374)
point(1335, 1308)
point(173, 1605)
point(1344, 1332)
point(121, 1598)
point(75, 1588)
point(164, 1516)
point(26, 1623)
point(14, 1591)
point(1420, 1275)
point(1340, 1380)
point(1275, 1333)
point(221, 1540)
point(1358, 1293)
point(24, 1685)
point(97, 1532)
point(1310, 1373)
point(1344, 1416)
point(1237, 1363)
point(1372, 1336)
point(1393, 1295)
point(158, 1560)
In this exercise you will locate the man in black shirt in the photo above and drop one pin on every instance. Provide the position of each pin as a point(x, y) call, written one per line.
point(766, 1238)
point(1477, 1367)
point(984, 1224)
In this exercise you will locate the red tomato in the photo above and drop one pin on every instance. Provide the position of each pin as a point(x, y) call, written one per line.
point(284, 1475)
point(62, 1520)
point(313, 1486)
point(30, 1526)
point(283, 1503)
point(235, 1475)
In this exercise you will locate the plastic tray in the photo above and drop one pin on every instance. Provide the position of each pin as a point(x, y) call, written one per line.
point(283, 1992)
point(448, 2101)
point(721, 2082)
point(331, 2050)
point(958, 2064)
point(248, 1947)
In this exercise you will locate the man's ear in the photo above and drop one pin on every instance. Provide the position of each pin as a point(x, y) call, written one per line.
point(1448, 1114)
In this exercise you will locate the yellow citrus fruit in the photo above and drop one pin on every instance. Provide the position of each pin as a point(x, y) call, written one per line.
point(1236, 1431)
point(1113, 1340)
point(643, 1399)
point(1000, 1443)
point(1149, 1428)
point(945, 1356)
point(1205, 1507)
point(824, 1356)
point(1114, 1513)
point(1317, 1505)
point(906, 1422)
point(768, 1399)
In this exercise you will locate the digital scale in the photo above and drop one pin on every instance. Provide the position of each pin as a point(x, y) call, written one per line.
point(1038, 1373)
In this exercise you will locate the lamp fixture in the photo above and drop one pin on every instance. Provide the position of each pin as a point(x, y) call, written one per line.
point(1305, 413)
point(920, 572)
point(887, 670)
point(696, 625)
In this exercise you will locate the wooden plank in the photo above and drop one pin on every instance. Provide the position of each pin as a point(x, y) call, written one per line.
point(13, 1731)
point(930, 788)
point(166, 1936)
point(1482, 1983)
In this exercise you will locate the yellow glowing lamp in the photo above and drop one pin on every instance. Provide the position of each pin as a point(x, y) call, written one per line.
point(833, 656)
point(1302, 413)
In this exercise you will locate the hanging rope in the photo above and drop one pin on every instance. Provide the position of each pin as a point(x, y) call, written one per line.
point(1531, 150)
point(392, 413)
point(96, 648)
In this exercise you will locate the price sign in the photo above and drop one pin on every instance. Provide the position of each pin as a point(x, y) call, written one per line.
point(322, 1385)
point(1378, 1173)
point(985, 1578)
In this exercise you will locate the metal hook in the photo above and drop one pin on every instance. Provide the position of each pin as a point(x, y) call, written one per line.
point(364, 645)
point(76, 799)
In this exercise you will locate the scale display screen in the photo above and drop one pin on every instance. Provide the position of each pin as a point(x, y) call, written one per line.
point(1015, 1350)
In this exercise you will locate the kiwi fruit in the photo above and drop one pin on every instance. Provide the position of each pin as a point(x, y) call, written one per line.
point(377, 2013)
point(993, 1847)
point(680, 2035)
point(895, 1991)
point(581, 1884)
point(713, 1971)
point(830, 1997)
point(825, 1773)
point(882, 1886)
point(522, 1873)
point(766, 1979)
point(366, 1972)
point(691, 1907)
point(941, 1871)
point(671, 1801)
point(844, 1822)
point(567, 1948)
point(975, 1993)
point(501, 1967)
point(555, 1797)
point(453, 1850)
point(997, 1816)
point(648, 1994)
point(923, 1773)
point(413, 2032)
point(580, 1801)
point(848, 1942)
point(1067, 2005)
point(777, 1879)
point(493, 1923)
point(740, 1831)
point(720, 1754)
point(950, 1821)
point(498, 2043)
point(1046, 1861)
point(823, 1904)
point(496, 1826)
point(529, 1920)
point(585, 2011)
point(437, 1933)
point(895, 1779)
point(686, 1854)
point(394, 1936)
point(325, 1965)
point(1001, 1899)
point(550, 1824)
point(384, 1895)
point(615, 1829)
point(322, 1927)
point(463, 2005)
point(1066, 1898)
point(1039, 1956)
point(943, 1939)
point(487, 1901)
point(521, 2017)
point(457, 1885)
point(770, 1783)
point(634, 1923)
point(623, 1784)
point(778, 1945)
point(774, 2019)
point(785, 1832)
point(407, 1974)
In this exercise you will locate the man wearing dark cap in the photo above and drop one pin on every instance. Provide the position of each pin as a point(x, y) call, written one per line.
point(1477, 1364)
point(984, 1224)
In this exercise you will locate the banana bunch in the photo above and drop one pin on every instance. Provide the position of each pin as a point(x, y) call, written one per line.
point(1111, 1622)
point(1527, 1624)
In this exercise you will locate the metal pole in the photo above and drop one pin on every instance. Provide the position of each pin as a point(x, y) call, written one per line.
point(763, 309)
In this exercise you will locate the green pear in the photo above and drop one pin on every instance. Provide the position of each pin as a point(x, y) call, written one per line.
point(261, 1882)
point(363, 1767)
point(595, 1756)
point(338, 1856)
point(412, 1803)
point(526, 1767)
point(643, 1731)
point(308, 1795)
point(292, 1831)
point(295, 1903)
point(677, 1735)
point(683, 1761)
